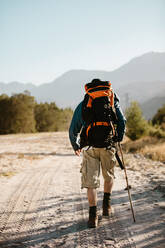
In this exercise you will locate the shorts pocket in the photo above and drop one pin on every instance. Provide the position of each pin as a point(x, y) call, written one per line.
point(90, 170)
point(83, 172)
point(83, 168)
point(112, 155)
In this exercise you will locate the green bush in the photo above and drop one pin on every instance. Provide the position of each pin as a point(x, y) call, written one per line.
point(159, 117)
point(137, 126)
point(156, 131)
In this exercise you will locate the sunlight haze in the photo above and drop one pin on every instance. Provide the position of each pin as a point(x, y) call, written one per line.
point(41, 40)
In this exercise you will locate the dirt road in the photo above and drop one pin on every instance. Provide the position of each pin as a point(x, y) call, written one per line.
point(42, 204)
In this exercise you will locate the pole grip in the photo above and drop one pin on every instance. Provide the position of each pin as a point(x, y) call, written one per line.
point(119, 161)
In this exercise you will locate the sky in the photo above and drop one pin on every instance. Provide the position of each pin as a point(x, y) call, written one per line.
point(42, 39)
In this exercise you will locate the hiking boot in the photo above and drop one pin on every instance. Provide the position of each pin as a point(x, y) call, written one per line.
point(107, 209)
point(93, 221)
point(93, 218)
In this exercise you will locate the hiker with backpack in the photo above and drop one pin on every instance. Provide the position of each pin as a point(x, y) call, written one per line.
point(100, 122)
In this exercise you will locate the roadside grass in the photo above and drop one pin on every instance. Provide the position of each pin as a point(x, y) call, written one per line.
point(33, 157)
point(30, 157)
point(20, 156)
point(7, 174)
point(150, 147)
point(154, 152)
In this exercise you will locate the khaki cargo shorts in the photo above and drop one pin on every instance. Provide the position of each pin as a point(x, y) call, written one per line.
point(93, 160)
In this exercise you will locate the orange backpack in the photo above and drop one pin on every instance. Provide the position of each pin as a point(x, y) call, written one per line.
point(98, 114)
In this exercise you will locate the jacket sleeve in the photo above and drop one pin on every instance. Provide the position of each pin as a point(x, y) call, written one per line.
point(75, 127)
point(121, 121)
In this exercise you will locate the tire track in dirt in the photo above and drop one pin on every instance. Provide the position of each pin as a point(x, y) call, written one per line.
point(36, 212)
point(66, 215)
point(29, 225)
point(12, 201)
point(24, 207)
point(19, 209)
point(32, 204)
point(118, 232)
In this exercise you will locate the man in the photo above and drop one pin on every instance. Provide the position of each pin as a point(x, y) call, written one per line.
point(97, 154)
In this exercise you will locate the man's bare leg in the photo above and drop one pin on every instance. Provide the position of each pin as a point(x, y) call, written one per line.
point(92, 197)
point(108, 186)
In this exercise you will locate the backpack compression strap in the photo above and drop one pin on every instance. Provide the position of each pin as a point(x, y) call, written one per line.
point(99, 123)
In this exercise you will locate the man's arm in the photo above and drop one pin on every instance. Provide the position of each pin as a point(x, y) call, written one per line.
point(121, 121)
point(75, 127)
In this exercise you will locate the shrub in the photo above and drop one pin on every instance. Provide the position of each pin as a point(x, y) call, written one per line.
point(156, 131)
point(136, 125)
point(159, 117)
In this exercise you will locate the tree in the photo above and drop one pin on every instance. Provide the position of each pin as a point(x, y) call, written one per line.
point(5, 113)
point(159, 117)
point(46, 116)
point(22, 114)
point(17, 114)
point(65, 117)
point(50, 118)
point(136, 124)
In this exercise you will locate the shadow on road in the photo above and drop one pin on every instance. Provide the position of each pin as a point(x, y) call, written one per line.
point(148, 231)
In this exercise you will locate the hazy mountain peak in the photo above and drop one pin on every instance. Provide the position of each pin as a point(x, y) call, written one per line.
point(149, 57)
point(141, 79)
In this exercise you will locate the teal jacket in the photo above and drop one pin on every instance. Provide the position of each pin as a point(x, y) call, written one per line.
point(77, 123)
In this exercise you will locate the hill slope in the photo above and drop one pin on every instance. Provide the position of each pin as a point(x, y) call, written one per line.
point(141, 79)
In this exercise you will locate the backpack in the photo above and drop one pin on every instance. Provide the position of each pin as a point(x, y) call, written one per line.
point(98, 115)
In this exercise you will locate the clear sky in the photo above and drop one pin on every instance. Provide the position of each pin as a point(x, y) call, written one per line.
point(42, 39)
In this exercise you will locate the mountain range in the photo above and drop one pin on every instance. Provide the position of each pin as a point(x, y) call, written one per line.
point(142, 79)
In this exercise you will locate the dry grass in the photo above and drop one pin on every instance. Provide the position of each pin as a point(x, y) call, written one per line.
point(7, 174)
point(20, 156)
point(155, 152)
point(151, 147)
point(29, 157)
point(33, 157)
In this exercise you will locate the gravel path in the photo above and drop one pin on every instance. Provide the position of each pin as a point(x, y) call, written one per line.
point(42, 205)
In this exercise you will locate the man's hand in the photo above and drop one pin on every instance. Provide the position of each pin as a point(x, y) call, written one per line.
point(78, 152)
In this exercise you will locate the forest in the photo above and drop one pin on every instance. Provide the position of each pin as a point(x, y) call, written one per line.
point(20, 113)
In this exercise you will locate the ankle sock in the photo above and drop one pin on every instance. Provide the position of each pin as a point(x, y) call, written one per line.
point(107, 196)
point(107, 199)
point(93, 211)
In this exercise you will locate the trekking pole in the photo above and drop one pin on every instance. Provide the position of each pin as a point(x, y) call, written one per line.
point(125, 171)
